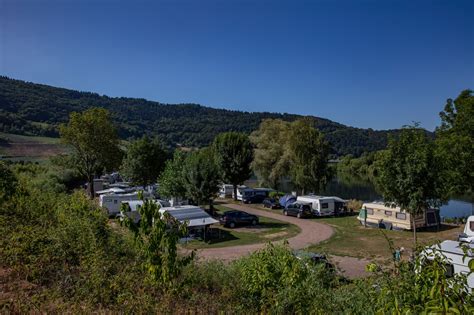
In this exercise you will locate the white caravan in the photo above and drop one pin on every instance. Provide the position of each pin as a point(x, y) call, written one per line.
point(112, 202)
point(244, 192)
point(468, 233)
point(324, 206)
point(457, 261)
point(226, 190)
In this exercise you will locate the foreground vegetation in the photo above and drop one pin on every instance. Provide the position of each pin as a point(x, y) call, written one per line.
point(59, 253)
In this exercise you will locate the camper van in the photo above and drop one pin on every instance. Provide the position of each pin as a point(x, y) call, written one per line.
point(244, 192)
point(377, 214)
point(457, 259)
point(226, 191)
point(113, 202)
point(468, 234)
point(324, 206)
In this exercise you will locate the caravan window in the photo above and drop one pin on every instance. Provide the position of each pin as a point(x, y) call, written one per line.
point(370, 211)
point(401, 216)
point(388, 213)
point(324, 205)
point(115, 201)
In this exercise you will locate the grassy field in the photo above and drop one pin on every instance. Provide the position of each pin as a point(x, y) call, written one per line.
point(352, 239)
point(19, 147)
point(267, 230)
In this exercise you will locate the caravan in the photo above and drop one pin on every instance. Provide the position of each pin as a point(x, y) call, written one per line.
point(113, 202)
point(378, 214)
point(245, 194)
point(324, 206)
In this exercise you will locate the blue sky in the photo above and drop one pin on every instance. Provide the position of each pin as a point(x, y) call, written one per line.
point(378, 64)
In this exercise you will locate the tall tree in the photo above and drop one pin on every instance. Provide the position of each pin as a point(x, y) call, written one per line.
point(455, 142)
point(144, 161)
point(171, 181)
point(410, 174)
point(309, 154)
point(94, 141)
point(234, 154)
point(201, 176)
point(271, 153)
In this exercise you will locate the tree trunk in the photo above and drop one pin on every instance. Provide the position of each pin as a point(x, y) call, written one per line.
point(91, 188)
point(211, 207)
point(414, 231)
point(235, 192)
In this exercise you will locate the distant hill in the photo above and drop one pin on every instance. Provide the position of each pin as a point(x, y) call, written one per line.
point(35, 109)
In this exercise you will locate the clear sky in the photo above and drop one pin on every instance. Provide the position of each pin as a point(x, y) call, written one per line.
point(379, 64)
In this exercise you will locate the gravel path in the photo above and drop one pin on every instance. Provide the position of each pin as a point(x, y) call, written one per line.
point(311, 233)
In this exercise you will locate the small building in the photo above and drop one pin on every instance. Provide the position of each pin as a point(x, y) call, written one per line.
point(378, 214)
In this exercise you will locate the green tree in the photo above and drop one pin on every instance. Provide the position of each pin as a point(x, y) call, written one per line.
point(410, 174)
point(233, 157)
point(171, 181)
point(201, 176)
point(455, 141)
point(8, 183)
point(158, 236)
point(309, 168)
point(144, 161)
point(94, 141)
point(271, 154)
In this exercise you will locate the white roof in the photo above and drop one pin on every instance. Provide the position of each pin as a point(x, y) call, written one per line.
point(113, 190)
point(193, 215)
point(314, 197)
point(454, 247)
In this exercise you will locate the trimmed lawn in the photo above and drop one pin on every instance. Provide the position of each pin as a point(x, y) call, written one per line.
point(267, 230)
point(352, 239)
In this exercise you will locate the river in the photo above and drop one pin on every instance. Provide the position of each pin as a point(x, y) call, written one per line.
point(348, 186)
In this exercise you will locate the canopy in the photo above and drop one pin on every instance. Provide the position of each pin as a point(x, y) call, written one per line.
point(286, 200)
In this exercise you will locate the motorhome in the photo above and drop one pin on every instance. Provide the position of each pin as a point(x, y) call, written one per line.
point(226, 191)
point(113, 202)
point(378, 214)
point(247, 192)
point(468, 234)
point(324, 206)
point(457, 258)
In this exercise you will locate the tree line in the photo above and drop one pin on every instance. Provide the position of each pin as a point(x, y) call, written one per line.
point(35, 109)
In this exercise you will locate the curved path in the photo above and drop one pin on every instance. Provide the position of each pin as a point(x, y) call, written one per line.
point(311, 233)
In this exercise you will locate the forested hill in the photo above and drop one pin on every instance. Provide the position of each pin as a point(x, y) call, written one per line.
point(36, 109)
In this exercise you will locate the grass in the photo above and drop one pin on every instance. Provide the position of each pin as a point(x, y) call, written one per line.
point(352, 239)
point(20, 147)
point(267, 230)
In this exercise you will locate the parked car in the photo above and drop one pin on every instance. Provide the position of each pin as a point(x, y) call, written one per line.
point(253, 199)
point(299, 210)
point(233, 218)
point(271, 203)
point(314, 258)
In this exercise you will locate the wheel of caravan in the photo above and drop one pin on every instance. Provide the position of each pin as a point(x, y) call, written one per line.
point(298, 215)
point(285, 212)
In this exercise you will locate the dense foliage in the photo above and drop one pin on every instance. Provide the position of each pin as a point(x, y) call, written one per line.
point(144, 161)
point(411, 174)
point(455, 141)
point(94, 141)
point(234, 154)
point(35, 109)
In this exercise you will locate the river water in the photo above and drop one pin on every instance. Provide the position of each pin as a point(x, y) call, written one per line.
point(348, 186)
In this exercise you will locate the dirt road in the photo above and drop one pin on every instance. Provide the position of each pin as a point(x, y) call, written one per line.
point(311, 233)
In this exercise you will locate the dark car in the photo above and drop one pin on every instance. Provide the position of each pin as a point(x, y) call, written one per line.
point(234, 218)
point(271, 203)
point(253, 199)
point(314, 258)
point(299, 210)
